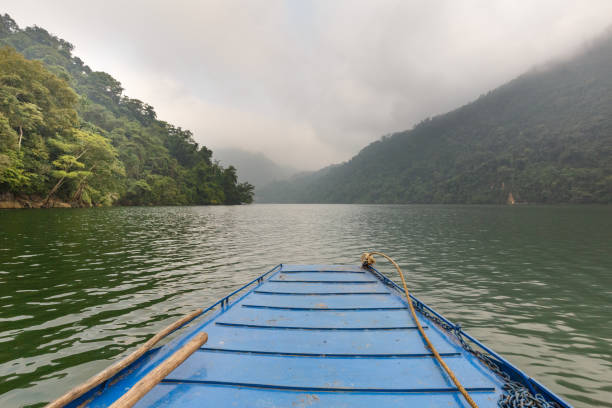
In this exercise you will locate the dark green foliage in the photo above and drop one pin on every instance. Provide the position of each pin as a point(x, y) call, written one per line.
point(545, 137)
point(94, 146)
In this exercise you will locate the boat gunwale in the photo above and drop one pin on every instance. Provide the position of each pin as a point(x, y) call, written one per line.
point(504, 364)
point(173, 345)
point(328, 389)
point(225, 304)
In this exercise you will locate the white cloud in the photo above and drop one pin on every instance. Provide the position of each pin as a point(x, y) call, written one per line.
point(311, 83)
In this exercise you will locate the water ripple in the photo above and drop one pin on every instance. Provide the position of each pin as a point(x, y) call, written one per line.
point(79, 288)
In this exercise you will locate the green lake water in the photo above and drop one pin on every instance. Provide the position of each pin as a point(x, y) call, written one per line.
point(81, 287)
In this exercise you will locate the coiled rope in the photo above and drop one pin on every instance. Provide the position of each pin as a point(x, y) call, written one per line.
point(367, 259)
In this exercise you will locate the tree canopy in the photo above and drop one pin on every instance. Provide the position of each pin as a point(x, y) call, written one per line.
point(70, 133)
point(545, 137)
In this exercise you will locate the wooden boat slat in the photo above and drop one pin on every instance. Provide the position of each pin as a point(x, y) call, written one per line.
point(294, 354)
point(322, 268)
point(320, 335)
point(316, 328)
point(401, 375)
point(338, 319)
point(299, 287)
point(322, 301)
point(300, 293)
point(327, 282)
point(187, 395)
point(322, 309)
point(328, 389)
point(324, 276)
point(347, 342)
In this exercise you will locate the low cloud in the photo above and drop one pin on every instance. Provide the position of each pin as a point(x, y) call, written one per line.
point(311, 83)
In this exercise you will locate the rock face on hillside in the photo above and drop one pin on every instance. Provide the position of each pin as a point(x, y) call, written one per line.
point(545, 137)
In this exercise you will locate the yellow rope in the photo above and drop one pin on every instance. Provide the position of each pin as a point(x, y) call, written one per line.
point(368, 258)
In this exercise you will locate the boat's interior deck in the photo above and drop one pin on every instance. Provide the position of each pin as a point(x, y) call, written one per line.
point(318, 335)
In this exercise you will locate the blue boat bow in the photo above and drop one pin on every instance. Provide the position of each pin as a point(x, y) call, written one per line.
point(323, 336)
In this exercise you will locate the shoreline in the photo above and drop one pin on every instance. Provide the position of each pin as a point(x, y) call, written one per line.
point(23, 203)
point(11, 201)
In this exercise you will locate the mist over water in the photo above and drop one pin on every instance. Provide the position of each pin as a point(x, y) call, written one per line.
point(79, 288)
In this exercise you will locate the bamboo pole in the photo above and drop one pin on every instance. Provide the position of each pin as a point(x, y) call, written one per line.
point(120, 365)
point(142, 387)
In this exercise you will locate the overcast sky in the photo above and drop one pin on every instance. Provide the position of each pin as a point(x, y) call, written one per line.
point(310, 83)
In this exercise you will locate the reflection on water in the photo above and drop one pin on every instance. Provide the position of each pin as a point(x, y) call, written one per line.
point(80, 287)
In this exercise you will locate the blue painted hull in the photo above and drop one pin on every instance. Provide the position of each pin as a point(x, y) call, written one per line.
point(317, 335)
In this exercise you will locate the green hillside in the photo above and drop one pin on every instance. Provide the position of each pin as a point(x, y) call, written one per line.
point(68, 134)
point(545, 137)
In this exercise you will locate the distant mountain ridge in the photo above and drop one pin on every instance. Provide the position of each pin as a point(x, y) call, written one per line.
point(254, 168)
point(544, 137)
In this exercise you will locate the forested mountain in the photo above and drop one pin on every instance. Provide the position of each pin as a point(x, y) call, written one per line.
point(545, 137)
point(69, 134)
point(254, 168)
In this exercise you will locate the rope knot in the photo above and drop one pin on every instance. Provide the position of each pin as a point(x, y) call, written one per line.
point(367, 259)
